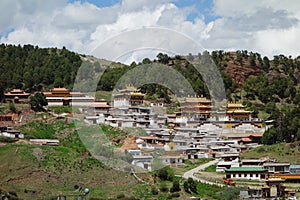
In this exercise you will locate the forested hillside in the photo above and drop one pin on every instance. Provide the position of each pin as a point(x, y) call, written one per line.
point(268, 86)
point(33, 68)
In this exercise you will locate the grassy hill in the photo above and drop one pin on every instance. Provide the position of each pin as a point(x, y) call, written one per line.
point(282, 152)
point(36, 172)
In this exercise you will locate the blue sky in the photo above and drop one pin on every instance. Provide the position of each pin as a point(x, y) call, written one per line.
point(201, 7)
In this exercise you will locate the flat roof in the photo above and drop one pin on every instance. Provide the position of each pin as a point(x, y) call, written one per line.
point(276, 164)
point(246, 169)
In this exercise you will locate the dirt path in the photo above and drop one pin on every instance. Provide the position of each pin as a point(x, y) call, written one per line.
point(191, 173)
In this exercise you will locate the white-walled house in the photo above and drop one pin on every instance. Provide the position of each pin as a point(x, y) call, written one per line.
point(248, 173)
point(277, 167)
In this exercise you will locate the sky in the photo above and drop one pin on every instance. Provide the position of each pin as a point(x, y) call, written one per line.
point(269, 27)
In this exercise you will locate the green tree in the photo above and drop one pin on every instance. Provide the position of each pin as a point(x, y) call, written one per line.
point(192, 185)
point(270, 136)
point(266, 63)
point(12, 107)
point(28, 80)
point(252, 59)
point(163, 58)
point(163, 174)
point(175, 187)
point(186, 187)
point(38, 101)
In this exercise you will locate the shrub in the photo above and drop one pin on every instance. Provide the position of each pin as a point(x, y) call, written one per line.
point(175, 187)
point(6, 139)
point(166, 173)
point(164, 188)
point(175, 195)
point(154, 191)
point(163, 174)
point(186, 187)
point(121, 196)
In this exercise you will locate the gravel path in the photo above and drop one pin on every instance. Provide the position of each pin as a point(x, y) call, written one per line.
point(190, 173)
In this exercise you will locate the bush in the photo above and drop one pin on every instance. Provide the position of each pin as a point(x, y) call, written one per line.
point(186, 187)
point(190, 186)
point(12, 107)
point(165, 174)
point(6, 139)
point(154, 191)
point(121, 196)
point(175, 187)
point(164, 188)
point(175, 195)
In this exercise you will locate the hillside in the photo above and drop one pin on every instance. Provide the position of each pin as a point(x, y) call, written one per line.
point(268, 87)
point(35, 172)
point(283, 152)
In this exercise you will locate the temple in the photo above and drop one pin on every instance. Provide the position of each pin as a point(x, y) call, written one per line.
point(127, 97)
point(62, 96)
point(197, 107)
point(237, 111)
point(17, 96)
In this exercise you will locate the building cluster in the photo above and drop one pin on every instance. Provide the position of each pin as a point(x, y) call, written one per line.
point(191, 133)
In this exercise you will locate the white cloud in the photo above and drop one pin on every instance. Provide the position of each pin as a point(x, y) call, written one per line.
point(274, 42)
point(267, 26)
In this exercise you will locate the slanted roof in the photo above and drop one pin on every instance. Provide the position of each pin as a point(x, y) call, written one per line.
point(246, 140)
point(59, 90)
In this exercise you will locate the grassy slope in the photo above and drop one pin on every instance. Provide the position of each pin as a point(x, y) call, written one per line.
point(282, 152)
point(42, 171)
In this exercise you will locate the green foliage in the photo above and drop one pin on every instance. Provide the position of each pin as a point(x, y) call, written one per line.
point(114, 134)
point(154, 191)
point(190, 186)
point(163, 188)
point(186, 186)
point(38, 129)
point(166, 173)
point(61, 109)
point(163, 58)
point(286, 127)
point(175, 187)
point(12, 107)
point(211, 168)
point(6, 139)
point(31, 68)
point(38, 101)
point(230, 193)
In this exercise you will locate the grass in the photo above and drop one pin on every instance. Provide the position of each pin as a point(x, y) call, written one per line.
point(38, 129)
point(190, 164)
point(4, 107)
point(61, 109)
point(37, 171)
point(115, 135)
point(211, 168)
point(282, 152)
point(107, 95)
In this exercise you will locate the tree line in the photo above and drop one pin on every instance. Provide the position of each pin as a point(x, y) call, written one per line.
point(32, 68)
